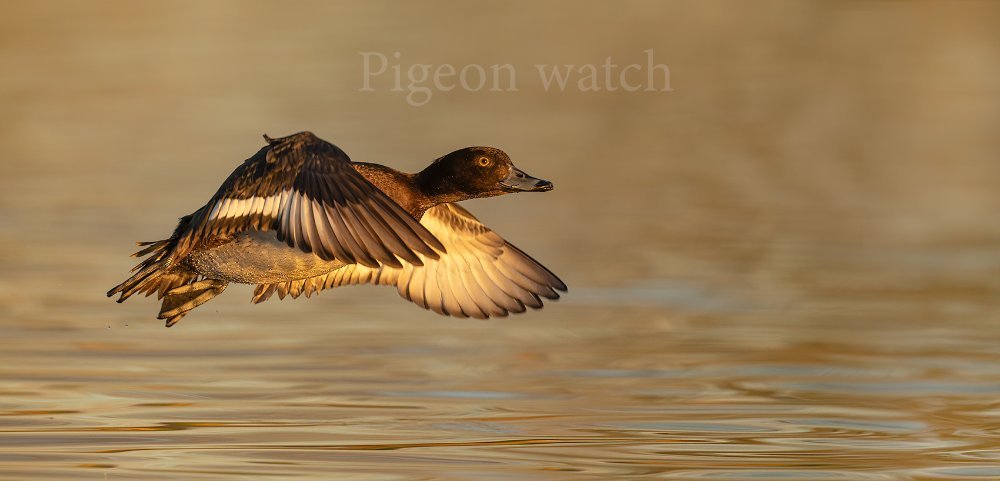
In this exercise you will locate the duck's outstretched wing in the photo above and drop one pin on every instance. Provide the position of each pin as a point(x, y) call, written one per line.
point(481, 276)
point(305, 189)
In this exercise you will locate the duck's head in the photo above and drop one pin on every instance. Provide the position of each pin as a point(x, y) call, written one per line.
point(477, 172)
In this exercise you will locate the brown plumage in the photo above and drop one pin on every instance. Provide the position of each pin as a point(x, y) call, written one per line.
point(299, 216)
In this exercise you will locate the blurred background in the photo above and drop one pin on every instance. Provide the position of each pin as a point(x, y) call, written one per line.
point(794, 252)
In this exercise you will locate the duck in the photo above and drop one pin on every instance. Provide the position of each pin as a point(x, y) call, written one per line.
point(299, 217)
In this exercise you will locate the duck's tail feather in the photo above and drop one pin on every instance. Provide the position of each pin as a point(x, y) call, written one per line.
point(156, 273)
point(159, 272)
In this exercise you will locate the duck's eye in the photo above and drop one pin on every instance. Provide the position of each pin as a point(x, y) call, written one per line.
point(485, 162)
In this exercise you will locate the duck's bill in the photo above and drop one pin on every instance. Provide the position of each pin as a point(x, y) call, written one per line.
point(518, 181)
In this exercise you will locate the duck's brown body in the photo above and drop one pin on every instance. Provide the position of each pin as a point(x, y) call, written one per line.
point(299, 217)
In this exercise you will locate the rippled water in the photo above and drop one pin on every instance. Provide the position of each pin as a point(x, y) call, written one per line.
point(602, 386)
point(773, 272)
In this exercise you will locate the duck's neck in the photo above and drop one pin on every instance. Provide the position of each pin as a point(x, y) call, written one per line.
point(407, 190)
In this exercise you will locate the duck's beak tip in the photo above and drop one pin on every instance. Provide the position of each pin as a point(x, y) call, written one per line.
point(518, 181)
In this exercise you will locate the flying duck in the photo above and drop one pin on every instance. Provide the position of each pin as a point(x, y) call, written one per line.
point(299, 217)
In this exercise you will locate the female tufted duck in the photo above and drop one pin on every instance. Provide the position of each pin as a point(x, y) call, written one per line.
point(299, 217)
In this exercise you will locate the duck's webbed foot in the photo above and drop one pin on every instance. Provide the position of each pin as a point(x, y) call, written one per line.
point(179, 301)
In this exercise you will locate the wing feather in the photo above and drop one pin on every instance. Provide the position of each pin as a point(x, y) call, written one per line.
point(435, 295)
point(482, 275)
point(307, 190)
point(527, 284)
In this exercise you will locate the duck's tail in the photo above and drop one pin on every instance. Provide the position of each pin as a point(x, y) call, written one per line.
point(153, 274)
point(178, 286)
